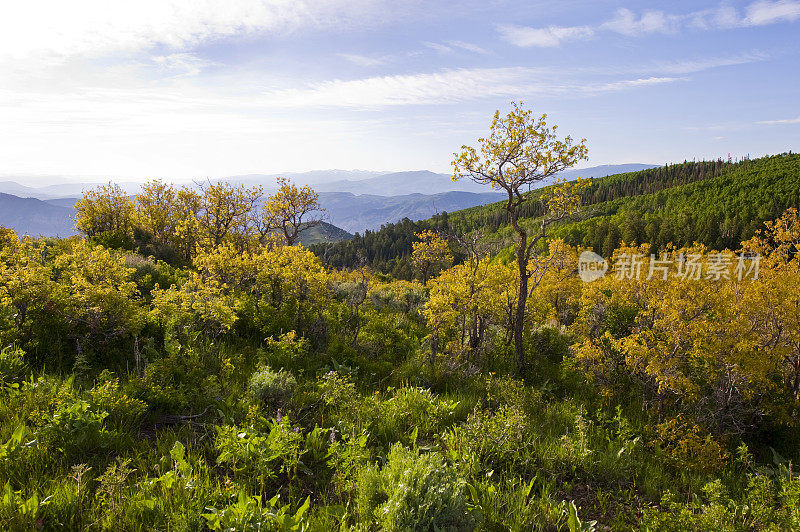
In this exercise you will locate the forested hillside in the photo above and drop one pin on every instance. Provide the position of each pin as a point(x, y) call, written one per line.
point(717, 203)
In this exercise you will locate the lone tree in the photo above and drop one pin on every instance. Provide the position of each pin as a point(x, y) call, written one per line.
point(520, 152)
point(291, 210)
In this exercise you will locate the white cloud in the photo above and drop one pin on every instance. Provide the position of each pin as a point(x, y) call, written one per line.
point(95, 118)
point(722, 17)
point(449, 47)
point(57, 29)
point(699, 65)
point(468, 47)
point(769, 12)
point(551, 36)
point(439, 47)
point(447, 86)
point(182, 64)
point(363, 60)
point(627, 23)
point(782, 121)
point(634, 83)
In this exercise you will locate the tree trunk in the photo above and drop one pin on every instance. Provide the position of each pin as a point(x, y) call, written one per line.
point(434, 348)
point(522, 299)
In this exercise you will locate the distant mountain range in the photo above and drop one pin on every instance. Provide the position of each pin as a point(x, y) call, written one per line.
point(56, 217)
point(345, 212)
point(36, 217)
point(369, 211)
point(354, 200)
point(406, 183)
point(60, 190)
point(354, 181)
point(403, 183)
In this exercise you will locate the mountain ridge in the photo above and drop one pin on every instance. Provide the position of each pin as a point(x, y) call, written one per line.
point(357, 181)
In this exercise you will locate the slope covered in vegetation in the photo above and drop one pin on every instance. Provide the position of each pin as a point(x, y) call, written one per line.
point(244, 385)
point(675, 203)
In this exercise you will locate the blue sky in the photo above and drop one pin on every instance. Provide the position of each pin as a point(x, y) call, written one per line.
point(188, 89)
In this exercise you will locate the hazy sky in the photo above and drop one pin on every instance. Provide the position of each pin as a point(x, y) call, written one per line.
point(193, 88)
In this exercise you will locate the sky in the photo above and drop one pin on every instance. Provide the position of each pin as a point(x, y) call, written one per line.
point(189, 89)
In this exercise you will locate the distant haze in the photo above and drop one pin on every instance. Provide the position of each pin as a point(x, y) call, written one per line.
point(354, 181)
point(354, 200)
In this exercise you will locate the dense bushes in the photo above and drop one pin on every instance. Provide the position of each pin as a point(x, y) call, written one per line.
point(256, 390)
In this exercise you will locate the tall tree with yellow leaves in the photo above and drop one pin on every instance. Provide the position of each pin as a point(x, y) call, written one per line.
point(156, 210)
point(521, 152)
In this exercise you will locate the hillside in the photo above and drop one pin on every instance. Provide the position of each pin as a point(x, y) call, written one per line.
point(36, 217)
point(60, 189)
point(348, 212)
point(357, 213)
point(324, 233)
point(252, 388)
point(719, 203)
point(426, 182)
point(401, 183)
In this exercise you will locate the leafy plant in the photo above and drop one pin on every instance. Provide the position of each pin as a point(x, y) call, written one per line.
point(415, 492)
point(269, 386)
point(12, 365)
point(74, 426)
point(251, 514)
point(122, 410)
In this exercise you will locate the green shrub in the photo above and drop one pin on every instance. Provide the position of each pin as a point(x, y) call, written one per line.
point(180, 381)
point(506, 390)
point(250, 514)
point(386, 336)
point(18, 511)
point(496, 439)
point(346, 456)
point(410, 411)
point(12, 365)
point(261, 457)
point(270, 386)
point(74, 426)
point(344, 407)
point(123, 411)
point(415, 492)
point(770, 502)
point(288, 349)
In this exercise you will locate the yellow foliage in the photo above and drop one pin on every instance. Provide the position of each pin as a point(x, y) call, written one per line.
point(198, 304)
point(290, 210)
point(710, 342)
point(157, 210)
point(467, 299)
point(106, 209)
point(520, 151)
point(688, 448)
point(430, 251)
